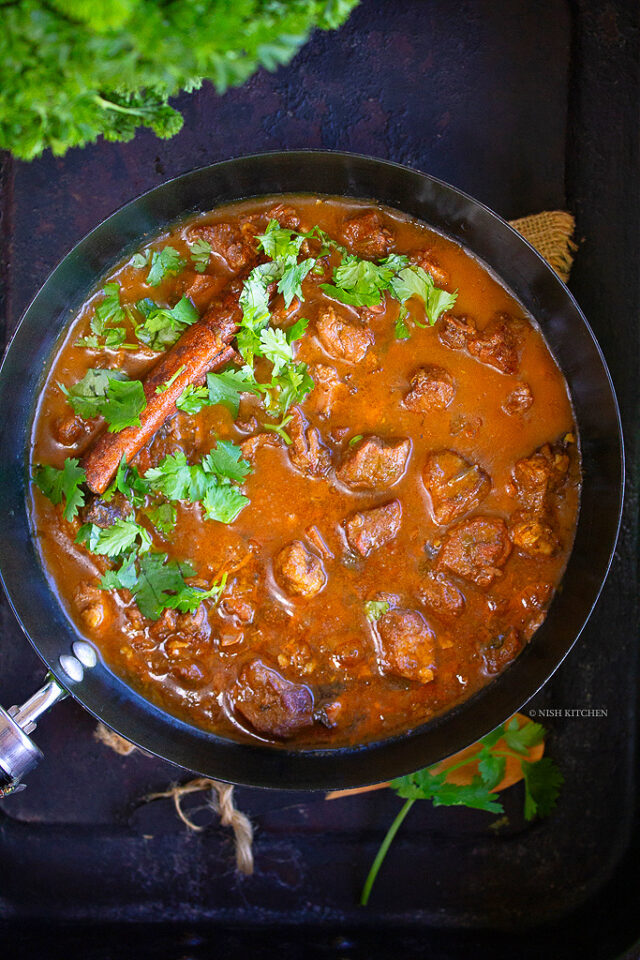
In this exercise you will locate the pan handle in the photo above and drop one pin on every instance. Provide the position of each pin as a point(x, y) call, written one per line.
point(18, 753)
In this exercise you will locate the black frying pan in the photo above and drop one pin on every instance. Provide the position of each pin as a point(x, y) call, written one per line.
point(106, 696)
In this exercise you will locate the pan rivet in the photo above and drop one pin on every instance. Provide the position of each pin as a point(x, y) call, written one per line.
point(72, 667)
point(85, 653)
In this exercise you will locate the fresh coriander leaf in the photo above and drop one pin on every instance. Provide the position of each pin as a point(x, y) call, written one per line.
point(279, 243)
point(290, 283)
point(355, 438)
point(163, 517)
point(121, 537)
point(140, 260)
point(227, 387)
point(89, 395)
point(62, 484)
point(395, 262)
point(279, 428)
point(491, 768)
point(439, 302)
point(165, 386)
point(200, 253)
point(521, 739)
point(542, 782)
point(358, 283)
point(412, 281)
point(172, 477)
point(165, 263)
point(193, 399)
point(164, 325)
point(401, 329)
point(109, 310)
point(492, 738)
point(254, 299)
point(297, 330)
point(289, 387)
point(275, 347)
point(189, 598)
point(374, 609)
point(225, 460)
point(223, 503)
point(475, 794)
point(157, 581)
point(129, 483)
point(125, 578)
point(125, 402)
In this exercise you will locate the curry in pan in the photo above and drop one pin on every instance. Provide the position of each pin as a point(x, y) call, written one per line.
point(305, 472)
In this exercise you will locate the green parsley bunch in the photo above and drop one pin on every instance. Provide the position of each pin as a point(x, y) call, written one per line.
point(72, 70)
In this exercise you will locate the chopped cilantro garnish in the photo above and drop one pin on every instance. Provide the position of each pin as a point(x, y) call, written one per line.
point(129, 483)
point(165, 263)
point(359, 283)
point(165, 386)
point(200, 253)
point(413, 281)
point(279, 243)
point(164, 325)
point(374, 609)
point(114, 541)
point(193, 399)
point(163, 517)
point(62, 484)
point(105, 336)
point(290, 283)
point(228, 386)
point(109, 394)
point(140, 260)
point(275, 347)
point(401, 329)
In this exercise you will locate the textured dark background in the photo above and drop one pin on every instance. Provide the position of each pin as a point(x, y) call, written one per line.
point(527, 106)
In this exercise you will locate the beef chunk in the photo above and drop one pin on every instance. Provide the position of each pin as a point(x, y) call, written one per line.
point(272, 705)
point(519, 400)
point(538, 477)
point(374, 464)
point(500, 650)
point(407, 645)
point(533, 535)
point(70, 429)
point(441, 596)
point(454, 485)
point(104, 514)
point(341, 339)
point(328, 387)
point(432, 388)
point(456, 332)
point(365, 236)
point(476, 549)
point(426, 260)
point(93, 605)
point(298, 571)
point(286, 216)
point(497, 344)
point(370, 529)
point(531, 604)
point(227, 241)
point(306, 452)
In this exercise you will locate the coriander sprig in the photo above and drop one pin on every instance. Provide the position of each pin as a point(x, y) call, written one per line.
point(512, 741)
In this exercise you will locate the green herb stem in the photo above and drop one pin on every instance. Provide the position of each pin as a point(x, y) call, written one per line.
point(382, 852)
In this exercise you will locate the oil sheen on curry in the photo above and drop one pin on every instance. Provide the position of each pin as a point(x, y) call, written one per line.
point(305, 472)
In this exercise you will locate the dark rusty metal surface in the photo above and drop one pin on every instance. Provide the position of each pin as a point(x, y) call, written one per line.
point(527, 107)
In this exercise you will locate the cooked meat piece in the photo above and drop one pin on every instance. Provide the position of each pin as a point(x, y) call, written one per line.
point(468, 427)
point(407, 645)
point(442, 596)
point(537, 477)
point(500, 650)
point(251, 445)
point(298, 571)
point(497, 344)
point(227, 241)
point(328, 387)
point(476, 549)
point(201, 288)
point(519, 400)
point(370, 529)
point(272, 705)
point(426, 260)
point(374, 464)
point(93, 604)
point(432, 388)
point(286, 216)
point(341, 339)
point(365, 236)
point(237, 607)
point(531, 605)
point(104, 514)
point(316, 540)
point(533, 535)
point(190, 672)
point(456, 332)
point(70, 429)
point(306, 452)
point(454, 485)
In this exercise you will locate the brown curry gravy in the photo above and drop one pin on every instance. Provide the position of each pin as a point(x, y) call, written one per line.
point(326, 642)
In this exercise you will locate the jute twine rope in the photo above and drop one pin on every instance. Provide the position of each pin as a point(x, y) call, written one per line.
point(551, 233)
